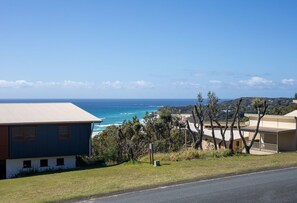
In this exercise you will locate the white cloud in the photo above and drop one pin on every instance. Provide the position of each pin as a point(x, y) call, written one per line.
point(289, 81)
point(215, 82)
point(41, 84)
point(185, 84)
point(15, 84)
point(257, 81)
point(139, 84)
point(111, 84)
point(76, 84)
point(64, 84)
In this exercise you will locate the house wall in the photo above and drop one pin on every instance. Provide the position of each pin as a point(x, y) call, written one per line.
point(269, 138)
point(287, 142)
point(3, 142)
point(273, 123)
point(251, 134)
point(48, 144)
point(15, 166)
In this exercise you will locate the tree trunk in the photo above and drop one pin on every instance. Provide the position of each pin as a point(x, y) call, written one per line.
point(213, 134)
point(260, 116)
point(222, 134)
point(197, 140)
point(232, 126)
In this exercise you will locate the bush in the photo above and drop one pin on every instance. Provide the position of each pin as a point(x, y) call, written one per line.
point(105, 146)
point(189, 154)
point(84, 161)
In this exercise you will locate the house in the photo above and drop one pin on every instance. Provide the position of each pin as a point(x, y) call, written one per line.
point(237, 141)
point(42, 136)
point(277, 133)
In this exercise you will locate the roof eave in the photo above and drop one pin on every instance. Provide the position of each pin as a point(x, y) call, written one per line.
point(271, 130)
point(50, 122)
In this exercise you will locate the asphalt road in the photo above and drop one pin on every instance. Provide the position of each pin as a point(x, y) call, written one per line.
point(269, 186)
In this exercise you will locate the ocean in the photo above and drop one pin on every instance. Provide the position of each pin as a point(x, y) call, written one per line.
point(114, 111)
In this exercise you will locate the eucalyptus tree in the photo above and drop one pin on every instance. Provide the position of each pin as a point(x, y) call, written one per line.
point(261, 107)
point(198, 119)
point(236, 113)
point(213, 112)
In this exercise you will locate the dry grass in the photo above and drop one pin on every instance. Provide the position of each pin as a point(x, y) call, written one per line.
point(59, 186)
point(189, 154)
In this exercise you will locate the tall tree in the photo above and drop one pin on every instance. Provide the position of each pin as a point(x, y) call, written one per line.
point(198, 118)
point(166, 117)
point(223, 132)
point(261, 107)
point(212, 110)
point(131, 139)
point(236, 113)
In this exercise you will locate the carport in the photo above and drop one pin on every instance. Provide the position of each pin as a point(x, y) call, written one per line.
point(285, 139)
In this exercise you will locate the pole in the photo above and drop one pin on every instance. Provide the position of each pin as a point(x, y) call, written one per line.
point(151, 153)
point(277, 142)
point(185, 139)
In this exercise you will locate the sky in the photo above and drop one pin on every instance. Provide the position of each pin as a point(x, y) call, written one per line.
point(147, 49)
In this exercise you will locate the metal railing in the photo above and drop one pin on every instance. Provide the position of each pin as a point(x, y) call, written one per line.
point(264, 146)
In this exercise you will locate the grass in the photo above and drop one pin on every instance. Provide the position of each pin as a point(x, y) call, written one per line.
point(189, 154)
point(79, 183)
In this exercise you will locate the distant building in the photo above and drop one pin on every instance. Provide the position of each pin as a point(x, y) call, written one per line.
point(277, 133)
point(42, 136)
point(237, 142)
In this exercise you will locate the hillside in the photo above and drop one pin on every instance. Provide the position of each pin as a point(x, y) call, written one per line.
point(276, 106)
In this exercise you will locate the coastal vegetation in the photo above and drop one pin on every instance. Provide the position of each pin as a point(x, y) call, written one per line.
point(130, 141)
point(170, 133)
point(49, 187)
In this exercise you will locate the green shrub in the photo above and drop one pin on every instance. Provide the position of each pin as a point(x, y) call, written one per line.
point(189, 154)
point(84, 161)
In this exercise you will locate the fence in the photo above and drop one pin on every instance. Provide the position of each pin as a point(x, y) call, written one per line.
point(264, 146)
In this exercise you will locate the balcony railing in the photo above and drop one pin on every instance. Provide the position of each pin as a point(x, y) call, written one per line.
point(264, 146)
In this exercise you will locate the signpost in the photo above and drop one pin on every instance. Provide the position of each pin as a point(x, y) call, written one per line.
point(151, 146)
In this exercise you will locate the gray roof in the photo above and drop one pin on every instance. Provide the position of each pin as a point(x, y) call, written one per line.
point(267, 129)
point(293, 113)
point(208, 132)
point(32, 113)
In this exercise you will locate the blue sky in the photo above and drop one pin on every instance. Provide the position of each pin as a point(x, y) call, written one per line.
point(147, 49)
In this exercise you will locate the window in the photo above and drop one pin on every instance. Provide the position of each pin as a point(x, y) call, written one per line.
point(64, 132)
point(43, 163)
point(60, 162)
point(27, 164)
point(23, 133)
